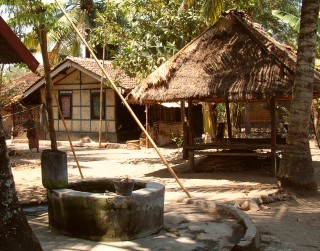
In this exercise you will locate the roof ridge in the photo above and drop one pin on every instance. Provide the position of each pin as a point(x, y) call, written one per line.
point(86, 59)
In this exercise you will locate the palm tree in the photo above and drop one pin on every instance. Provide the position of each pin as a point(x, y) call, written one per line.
point(64, 40)
point(296, 172)
point(294, 22)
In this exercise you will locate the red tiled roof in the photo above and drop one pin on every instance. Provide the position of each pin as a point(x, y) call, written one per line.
point(116, 74)
point(18, 86)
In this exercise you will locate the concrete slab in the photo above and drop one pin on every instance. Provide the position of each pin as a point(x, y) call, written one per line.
point(186, 227)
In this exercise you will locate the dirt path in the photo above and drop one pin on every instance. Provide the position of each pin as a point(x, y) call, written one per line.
point(285, 225)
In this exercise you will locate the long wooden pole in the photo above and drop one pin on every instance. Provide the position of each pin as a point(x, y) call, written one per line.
point(125, 102)
point(101, 96)
point(273, 134)
point(67, 131)
point(147, 124)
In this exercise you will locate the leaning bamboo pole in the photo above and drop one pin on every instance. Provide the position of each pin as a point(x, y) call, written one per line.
point(124, 101)
point(101, 102)
point(67, 131)
point(147, 124)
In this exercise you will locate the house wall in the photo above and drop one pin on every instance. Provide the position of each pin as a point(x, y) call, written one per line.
point(256, 118)
point(81, 124)
point(260, 114)
point(163, 132)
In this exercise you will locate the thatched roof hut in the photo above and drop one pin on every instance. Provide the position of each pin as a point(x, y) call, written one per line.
point(233, 59)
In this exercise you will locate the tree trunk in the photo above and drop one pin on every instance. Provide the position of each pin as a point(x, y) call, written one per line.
point(46, 64)
point(296, 172)
point(15, 232)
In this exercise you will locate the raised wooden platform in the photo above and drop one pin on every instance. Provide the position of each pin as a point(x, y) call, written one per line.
point(238, 147)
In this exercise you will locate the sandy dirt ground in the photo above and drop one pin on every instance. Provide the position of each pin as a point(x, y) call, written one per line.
point(293, 224)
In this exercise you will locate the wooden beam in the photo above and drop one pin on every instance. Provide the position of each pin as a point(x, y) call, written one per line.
point(147, 125)
point(191, 122)
point(273, 134)
point(191, 136)
point(184, 129)
point(228, 119)
point(273, 122)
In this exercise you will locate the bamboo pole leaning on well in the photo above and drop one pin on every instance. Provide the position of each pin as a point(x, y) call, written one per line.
point(67, 131)
point(124, 101)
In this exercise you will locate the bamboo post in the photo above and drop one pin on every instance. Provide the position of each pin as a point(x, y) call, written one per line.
point(273, 134)
point(147, 125)
point(101, 97)
point(190, 133)
point(101, 110)
point(184, 129)
point(125, 102)
point(228, 119)
point(247, 119)
point(67, 131)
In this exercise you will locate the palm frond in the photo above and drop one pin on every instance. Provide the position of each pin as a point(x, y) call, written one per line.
point(212, 10)
point(288, 18)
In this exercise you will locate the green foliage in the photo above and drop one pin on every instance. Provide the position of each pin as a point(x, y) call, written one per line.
point(26, 18)
point(212, 9)
point(294, 22)
point(260, 11)
point(29, 14)
point(316, 104)
point(145, 33)
point(288, 18)
point(178, 140)
point(221, 112)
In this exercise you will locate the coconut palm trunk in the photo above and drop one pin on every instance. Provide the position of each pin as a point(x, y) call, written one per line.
point(15, 232)
point(296, 172)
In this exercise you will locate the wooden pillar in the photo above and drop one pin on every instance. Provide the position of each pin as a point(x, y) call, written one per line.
point(273, 134)
point(247, 119)
point(184, 128)
point(191, 136)
point(147, 125)
point(228, 119)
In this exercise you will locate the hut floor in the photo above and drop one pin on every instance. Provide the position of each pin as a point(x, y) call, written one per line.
point(212, 163)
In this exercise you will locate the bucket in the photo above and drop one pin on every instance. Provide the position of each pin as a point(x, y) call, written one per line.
point(123, 188)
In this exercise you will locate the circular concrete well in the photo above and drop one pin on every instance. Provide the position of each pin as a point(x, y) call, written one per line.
point(91, 209)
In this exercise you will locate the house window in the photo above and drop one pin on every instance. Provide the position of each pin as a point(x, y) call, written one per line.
point(65, 101)
point(95, 104)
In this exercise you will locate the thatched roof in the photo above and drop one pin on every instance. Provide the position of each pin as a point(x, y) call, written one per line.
point(233, 59)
